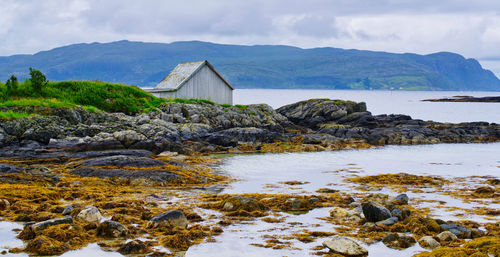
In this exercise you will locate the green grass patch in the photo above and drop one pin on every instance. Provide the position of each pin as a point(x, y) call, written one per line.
point(190, 101)
point(241, 106)
point(11, 115)
point(93, 95)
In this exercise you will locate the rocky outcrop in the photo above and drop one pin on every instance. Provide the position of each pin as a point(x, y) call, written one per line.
point(190, 128)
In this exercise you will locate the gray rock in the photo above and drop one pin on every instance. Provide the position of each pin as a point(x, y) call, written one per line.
point(375, 212)
point(174, 218)
point(401, 199)
point(111, 229)
point(89, 214)
point(135, 246)
point(123, 161)
point(428, 242)
point(39, 226)
point(128, 137)
point(388, 222)
point(234, 203)
point(345, 246)
point(68, 210)
point(459, 231)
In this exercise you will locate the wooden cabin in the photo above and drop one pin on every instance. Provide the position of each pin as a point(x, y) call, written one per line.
point(197, 80)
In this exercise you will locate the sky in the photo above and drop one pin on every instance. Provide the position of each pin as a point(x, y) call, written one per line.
point(470, 28)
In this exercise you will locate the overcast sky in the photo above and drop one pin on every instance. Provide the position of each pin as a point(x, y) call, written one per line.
point(468, 27)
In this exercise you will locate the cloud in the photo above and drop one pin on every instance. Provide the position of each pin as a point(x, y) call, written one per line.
point(471, 28)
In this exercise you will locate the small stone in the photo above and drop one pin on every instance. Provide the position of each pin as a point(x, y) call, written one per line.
point(375, 212)
point(234, 203)
point(134, 247)
point(339, 213)
point(428, 242)
point(89, 214)
point(173, 218)
point(313, 200)
point(39, 226)
point(345, 246)
point(67, 210)
point(397, 213)
point(459, 231)
point(388, 222)
point(111, 229)
point(446, 237)
point(401, 199)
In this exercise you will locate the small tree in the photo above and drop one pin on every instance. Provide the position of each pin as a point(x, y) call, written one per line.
point(38, 80)
point(12, 84)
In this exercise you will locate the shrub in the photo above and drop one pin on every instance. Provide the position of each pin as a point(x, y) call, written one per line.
point(38, 80)
point(12, 85)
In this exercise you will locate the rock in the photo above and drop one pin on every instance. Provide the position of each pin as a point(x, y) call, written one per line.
point(345, 246)
point(398, 240)
point(128, 137)
point(174, 218)
point(111, 229)
point(484, 191)
point(32, 229)
point(67, 210)
point(428, 242)
point(122, 161)
point(446, 237)
point(39, 226)
point(4, 204)
point(388, 222)
point(396, 212)
point(234, 203)
point(339, 213)
point(401, 199)
point(459, 231)
point(295, 203)
point(375, 212)
point(135, 246)
point(89, 214)
point(43, 245)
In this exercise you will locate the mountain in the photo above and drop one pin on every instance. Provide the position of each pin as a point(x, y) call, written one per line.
point(260, 66)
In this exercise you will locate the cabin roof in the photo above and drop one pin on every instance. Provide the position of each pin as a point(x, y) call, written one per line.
point(182, 73)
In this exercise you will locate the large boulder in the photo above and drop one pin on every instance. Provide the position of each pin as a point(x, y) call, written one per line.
point(128, 137)
point(175, 218)
point(345, 246)
point(375, 212)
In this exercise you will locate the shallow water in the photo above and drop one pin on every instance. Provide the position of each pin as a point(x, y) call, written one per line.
point(261, 173)
point(385, 102)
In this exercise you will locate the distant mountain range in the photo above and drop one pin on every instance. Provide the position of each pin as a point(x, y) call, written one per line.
point(261, 66)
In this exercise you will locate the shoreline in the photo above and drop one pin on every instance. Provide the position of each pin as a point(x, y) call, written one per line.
point(67, 169)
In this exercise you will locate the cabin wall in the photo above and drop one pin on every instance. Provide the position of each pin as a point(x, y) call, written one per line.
point(205, 84)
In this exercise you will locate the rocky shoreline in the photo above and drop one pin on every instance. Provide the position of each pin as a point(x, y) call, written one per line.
point(466, 98)
point(138, 185)
point(313, 125)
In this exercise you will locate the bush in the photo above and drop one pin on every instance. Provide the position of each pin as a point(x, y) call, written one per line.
point(12, 85)
point(38, 80)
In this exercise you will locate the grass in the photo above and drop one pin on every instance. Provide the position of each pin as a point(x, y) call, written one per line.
point(11, 115)
point(92, 95)
point(190, 101)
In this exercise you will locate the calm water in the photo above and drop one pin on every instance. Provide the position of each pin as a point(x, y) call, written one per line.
point(262, 173)
point(385, 102)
